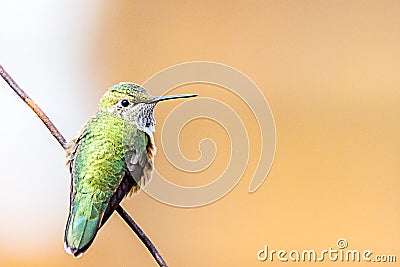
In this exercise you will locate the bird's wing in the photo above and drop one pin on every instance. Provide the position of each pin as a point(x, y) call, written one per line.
point(139, 166)
point(123, 189)
point(139, 154)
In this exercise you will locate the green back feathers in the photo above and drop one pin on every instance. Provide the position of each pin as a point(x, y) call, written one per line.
point(98, 165)
point(108, 150)
point(99, 159)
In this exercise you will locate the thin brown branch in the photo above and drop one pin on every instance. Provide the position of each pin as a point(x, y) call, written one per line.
point(152, 249)
point(39, 112)
point(60, 138)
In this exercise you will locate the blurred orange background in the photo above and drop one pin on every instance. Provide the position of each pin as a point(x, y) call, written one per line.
point(329, 70)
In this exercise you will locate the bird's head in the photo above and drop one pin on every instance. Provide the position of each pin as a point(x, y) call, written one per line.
point(134, 103)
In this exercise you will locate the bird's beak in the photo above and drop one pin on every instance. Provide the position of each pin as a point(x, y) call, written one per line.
point(168, 97)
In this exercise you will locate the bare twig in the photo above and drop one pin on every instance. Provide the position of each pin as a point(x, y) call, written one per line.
point(60, 138)
point(141, 235)
point(39, 112)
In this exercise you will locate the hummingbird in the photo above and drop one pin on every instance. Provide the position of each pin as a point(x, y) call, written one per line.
point(110, 159)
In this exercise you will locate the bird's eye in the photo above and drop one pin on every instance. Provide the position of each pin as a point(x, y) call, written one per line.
point(125, 103)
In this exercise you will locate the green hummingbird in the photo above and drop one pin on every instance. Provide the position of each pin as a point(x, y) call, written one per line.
point(111, 158)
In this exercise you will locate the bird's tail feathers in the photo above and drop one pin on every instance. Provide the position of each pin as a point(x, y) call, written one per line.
point(82, 226)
